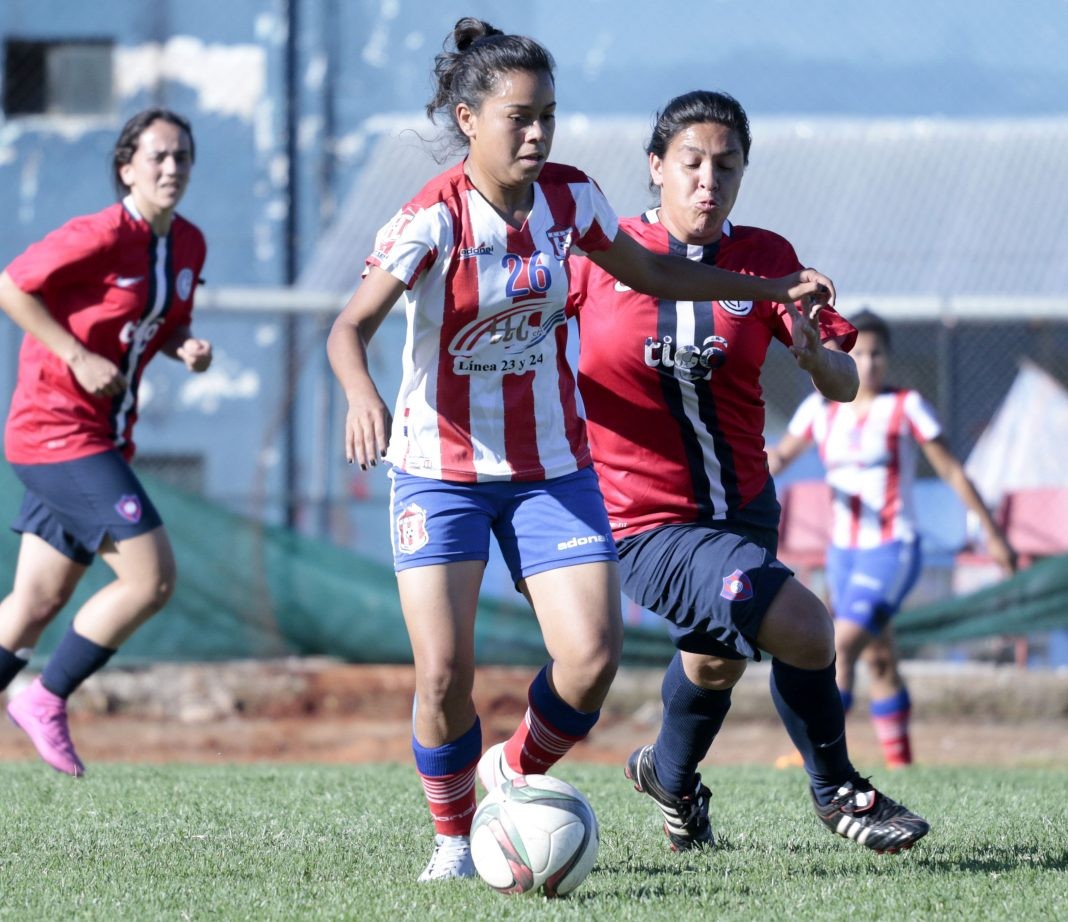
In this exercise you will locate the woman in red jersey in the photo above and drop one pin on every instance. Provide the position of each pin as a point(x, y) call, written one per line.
point(676, 424)
point(487, 437)
point(97, 298)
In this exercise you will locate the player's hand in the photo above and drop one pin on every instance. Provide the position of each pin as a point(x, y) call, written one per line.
point(195, 353)
point(806, 283)
point(97, 375)
point(1001, 553)
point(367, 427)
point(804, 325)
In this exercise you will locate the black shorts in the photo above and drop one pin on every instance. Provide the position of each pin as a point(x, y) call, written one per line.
point(713, 584)
point(75, 505)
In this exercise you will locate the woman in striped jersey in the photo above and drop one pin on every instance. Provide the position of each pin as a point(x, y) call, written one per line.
point(97, 299)
point(869, 448)
point(486, 437)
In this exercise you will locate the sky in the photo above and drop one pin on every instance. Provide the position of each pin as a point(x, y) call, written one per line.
point(853, 57)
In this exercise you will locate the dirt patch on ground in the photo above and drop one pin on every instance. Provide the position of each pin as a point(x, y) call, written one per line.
point(322, 711)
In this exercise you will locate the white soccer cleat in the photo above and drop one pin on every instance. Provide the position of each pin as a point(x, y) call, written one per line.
point(451, 860)
point(493, 768)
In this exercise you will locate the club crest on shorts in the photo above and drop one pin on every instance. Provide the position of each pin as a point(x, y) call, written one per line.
point(129, 507)
point(411, 529)
point(736, 587)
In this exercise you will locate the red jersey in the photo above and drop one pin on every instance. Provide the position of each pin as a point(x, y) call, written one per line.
point(120, 290)
point(674, 408)
point(487, 392)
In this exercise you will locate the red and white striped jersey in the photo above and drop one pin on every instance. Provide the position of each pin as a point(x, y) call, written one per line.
point(870, 460)
point(487, 392)
point(120, 290)
point(671, 389)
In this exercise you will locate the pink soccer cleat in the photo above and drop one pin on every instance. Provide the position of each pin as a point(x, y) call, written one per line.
point(42, 716)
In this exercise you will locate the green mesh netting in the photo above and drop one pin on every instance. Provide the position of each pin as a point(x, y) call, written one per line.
point(1032, 601)
point(246, 590)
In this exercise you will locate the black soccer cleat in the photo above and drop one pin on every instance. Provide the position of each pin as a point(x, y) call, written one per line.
point(859, 812)
point(685, 818)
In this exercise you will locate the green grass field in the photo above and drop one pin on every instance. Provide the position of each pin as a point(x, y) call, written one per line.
point(317, 842)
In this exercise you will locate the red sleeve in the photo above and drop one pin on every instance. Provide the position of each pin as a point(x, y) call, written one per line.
point(579, 267)
point(66, 256)
point(834, 326)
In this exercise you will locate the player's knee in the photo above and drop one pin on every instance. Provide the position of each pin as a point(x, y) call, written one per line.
point(714, 673)
point(441, 683)
point(593, 668)
point(880, 663)
point(818, 652)
point(155, 593)
point(798, 629)
point(39, 608)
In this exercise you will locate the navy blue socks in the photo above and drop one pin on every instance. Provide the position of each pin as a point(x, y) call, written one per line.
point(810, 705)
point(10, 666)
point(692, 718)
point(73, 661)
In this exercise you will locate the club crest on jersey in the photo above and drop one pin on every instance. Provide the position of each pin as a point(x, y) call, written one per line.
point(738, 308)
point(736, 587)
point(560, 239)
point(129, 507)
point(411, 529)
point(184, 284)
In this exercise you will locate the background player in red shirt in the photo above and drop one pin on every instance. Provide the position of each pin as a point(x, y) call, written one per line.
point(97, 298)
point(676, 418)
point(869, 448)
point(482, 257)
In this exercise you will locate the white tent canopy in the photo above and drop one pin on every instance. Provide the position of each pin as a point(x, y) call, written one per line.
point(1024, 444)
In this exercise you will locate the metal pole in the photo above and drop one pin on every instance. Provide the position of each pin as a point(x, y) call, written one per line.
point(292, 89)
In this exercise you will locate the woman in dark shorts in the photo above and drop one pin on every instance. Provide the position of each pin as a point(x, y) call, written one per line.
point(97, 299)
point(675, 417)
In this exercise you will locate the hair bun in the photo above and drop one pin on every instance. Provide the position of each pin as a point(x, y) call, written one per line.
point(469, 30)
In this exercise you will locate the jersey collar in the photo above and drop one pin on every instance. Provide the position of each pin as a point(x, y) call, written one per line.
point(652, 216)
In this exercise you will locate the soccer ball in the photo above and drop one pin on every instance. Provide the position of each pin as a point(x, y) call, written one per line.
point(534, 832)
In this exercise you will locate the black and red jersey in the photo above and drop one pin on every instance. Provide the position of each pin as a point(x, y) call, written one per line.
point(671, 389)
point(122, 291)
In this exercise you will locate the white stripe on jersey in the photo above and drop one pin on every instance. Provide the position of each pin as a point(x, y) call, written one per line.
point(686, 332)
point(144, 331)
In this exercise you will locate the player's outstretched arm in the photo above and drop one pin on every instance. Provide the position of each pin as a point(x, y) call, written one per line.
point(947, 467)
point(784, 454)
point(368, 422)
point(682, 279)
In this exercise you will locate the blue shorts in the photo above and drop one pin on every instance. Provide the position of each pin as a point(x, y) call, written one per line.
point(540, 525)
point(75, 505)
point(712, 584)
point(868, 585)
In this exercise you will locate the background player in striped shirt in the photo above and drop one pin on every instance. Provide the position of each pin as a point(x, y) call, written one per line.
point(869, 449)
point(676, 421)
point(486, 436)
point(98, 298)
